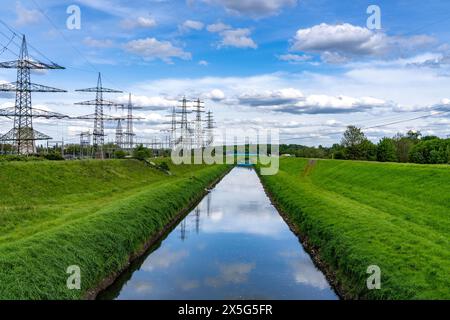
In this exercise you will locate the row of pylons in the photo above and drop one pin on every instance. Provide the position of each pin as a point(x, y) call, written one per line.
point(23, 137)
point(195, 134)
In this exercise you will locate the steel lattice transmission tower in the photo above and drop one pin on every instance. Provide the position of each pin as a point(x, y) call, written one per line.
point(185, 139)
point(119, 134)
point(171, 137)
point(85, 142)
point(23, 136)
point(99, 103)
point(198, 109)
point(210, 125)
point(129, 133)
point(173, 128)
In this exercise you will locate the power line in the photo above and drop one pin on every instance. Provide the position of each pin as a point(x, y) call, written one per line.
point(68, 41)
point(407, 120)
point(63, 36)
point(373, 127)
point(20, 35)
point(6, 47)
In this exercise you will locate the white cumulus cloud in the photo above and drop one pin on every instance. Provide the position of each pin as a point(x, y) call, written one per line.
point(215, 95)
point(26, 16)
point(238, 38)
point(337, 43)
point(323, 104)
point(151, 48)
point(96, 43)
point(293, 101)
point(140, 22)
point(150, 102)
point(218, 27)
point(260, 98)
point(253, 8)
point(192, 25)
point(339, 38)
point(294, 58)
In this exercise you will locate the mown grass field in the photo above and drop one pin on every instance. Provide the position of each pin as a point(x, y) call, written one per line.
point(92, 214)
point(395, 216)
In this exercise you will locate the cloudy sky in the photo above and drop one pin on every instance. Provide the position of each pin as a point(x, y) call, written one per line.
point(306, 67)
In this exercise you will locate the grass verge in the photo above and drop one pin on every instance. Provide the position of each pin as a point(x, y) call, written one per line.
point(93, 214)
point(356, 214)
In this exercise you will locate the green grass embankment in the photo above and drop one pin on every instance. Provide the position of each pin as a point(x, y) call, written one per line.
point(357, 214)
point(93, 214)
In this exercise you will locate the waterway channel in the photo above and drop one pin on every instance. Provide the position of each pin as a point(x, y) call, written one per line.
point(233, 245)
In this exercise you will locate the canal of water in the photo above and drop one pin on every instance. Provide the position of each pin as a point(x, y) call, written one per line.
point(233, 245)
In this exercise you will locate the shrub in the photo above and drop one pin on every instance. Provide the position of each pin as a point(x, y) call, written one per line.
point(434, 151)
point(120, 154)
point(164, 166)
point(386, 150)
point(54, 156)
point(141, 153)
point(13, 157)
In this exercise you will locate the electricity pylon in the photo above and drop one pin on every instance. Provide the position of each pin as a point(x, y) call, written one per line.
point(99, 103)
point(119, 134)
point(85, 142)
point(198, 109)
point(173, 128)
point(210, 125)
point(129, 132)
point(37, 113)
point(172, 132)
point(185, 139)
point(23, 136)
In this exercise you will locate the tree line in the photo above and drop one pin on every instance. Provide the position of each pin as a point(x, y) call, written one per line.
point(410, 147)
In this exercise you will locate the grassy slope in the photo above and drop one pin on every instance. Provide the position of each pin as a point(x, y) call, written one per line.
point(358, 214)
point(92, 214)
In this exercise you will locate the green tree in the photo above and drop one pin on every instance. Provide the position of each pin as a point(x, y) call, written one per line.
point(355, 143)
point(414, 135)
point(435, 151)
point(386, 150)
point(141, 153)
point(426, 138)
point(6, 148)
point(120, 154)
point(403, 145)
point(368, 151)
point(337, 152)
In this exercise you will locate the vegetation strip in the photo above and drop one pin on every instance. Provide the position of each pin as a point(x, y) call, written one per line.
point(356, 214)
point(59, 220)
point(309, 248)
point(410, 147)
point(92, 294)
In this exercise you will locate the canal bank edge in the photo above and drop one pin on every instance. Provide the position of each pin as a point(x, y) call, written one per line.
point(154, 239)
point(313, 251)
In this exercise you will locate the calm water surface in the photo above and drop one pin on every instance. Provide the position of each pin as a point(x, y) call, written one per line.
point(233, 245)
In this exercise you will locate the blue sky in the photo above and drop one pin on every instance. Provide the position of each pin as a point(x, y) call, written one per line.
point(308, 68)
